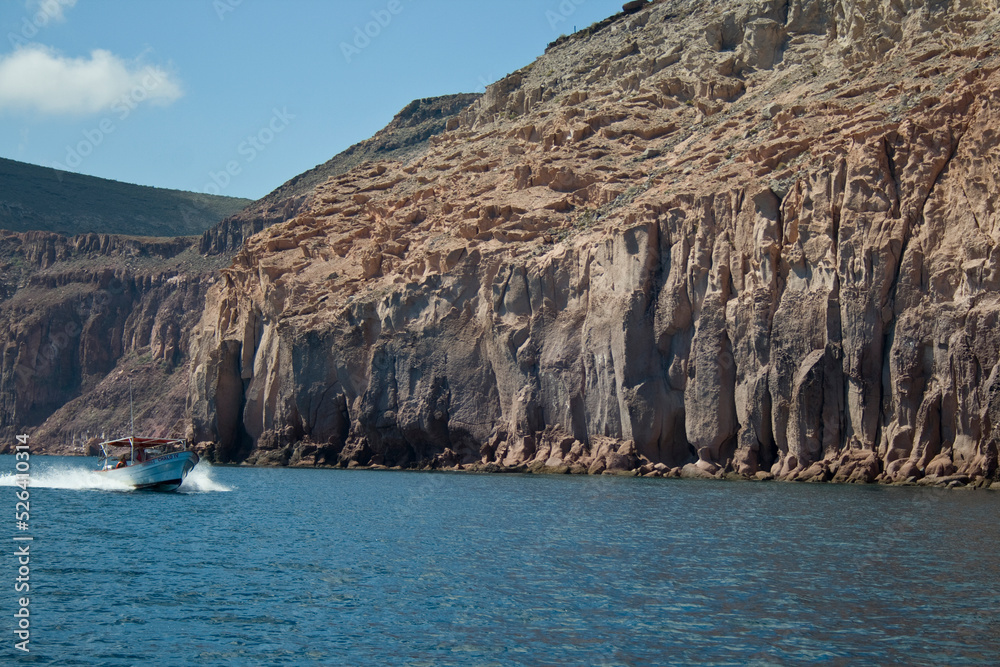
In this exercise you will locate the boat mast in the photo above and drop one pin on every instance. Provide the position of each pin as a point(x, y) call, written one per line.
point(131, 413)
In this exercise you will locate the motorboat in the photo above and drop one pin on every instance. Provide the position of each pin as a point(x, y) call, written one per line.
point(148, 463)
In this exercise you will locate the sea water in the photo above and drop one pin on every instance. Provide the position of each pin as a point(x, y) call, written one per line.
point(329, 567)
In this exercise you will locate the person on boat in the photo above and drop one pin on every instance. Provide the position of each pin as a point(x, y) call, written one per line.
point(122, 462)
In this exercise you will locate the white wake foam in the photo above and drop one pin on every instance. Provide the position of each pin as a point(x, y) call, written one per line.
point(200, 480)
point(67, 477)
point(83, 478)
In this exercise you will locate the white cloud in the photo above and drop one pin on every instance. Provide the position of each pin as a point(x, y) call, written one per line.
point(36, 78)
point(48, 10)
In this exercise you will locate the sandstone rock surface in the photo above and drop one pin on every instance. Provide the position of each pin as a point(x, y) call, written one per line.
point(750, 237)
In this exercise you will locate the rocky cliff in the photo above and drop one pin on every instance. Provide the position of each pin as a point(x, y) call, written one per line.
point(86, 316)
point(81, 317)
point(81, 307)
point(757, 238)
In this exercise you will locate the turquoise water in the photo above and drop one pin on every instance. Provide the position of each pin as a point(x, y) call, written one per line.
point(328, 567)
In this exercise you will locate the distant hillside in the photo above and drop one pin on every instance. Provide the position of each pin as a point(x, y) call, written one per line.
point(34, 198)
point(404, 137)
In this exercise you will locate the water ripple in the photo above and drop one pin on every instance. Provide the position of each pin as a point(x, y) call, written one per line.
point(303, 567)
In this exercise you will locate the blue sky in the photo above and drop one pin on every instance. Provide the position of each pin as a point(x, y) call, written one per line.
point(169, 93)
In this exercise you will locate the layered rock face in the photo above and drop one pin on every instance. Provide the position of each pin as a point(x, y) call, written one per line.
point(757, 238)
point(82, 315)
point(89, 316)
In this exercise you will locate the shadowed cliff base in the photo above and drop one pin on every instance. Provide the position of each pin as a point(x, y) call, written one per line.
point(757, 238)
point(563, 455)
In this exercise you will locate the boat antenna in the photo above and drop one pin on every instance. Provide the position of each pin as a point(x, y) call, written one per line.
point(131, 410)
point(131, 414)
